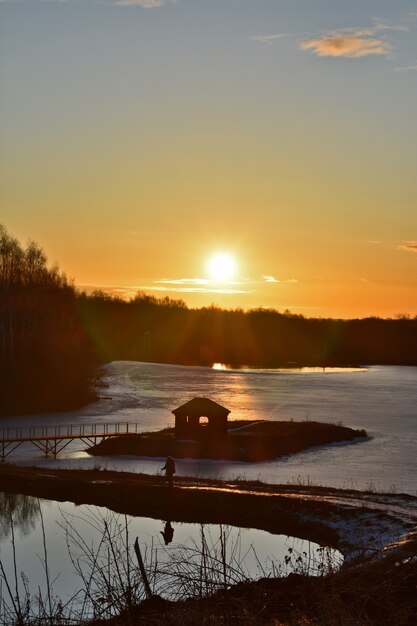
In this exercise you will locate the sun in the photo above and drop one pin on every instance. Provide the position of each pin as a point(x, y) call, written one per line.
point(221, 266)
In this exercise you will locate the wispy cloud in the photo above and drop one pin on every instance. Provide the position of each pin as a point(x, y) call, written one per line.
point(406, 68)
point(183, 281)
point(352, 45)
point(409, 246)
point(225, 290)
point(198, 285)
point(271, 279)
point(128, 292)
point(196, 281)
point(270, 39)
point(380, 24)
point(205, 285)
point(145, 4)
point(191, 285)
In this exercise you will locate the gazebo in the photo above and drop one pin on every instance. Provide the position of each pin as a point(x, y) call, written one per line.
point(200, 416)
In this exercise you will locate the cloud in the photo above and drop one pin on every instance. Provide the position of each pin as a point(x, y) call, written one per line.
point(205, 285)
point(349, 45)
point(406, 68)
point(193, 281)
point(269, 39)
point(409, 246)
point(145, 4)
point(183, 281)
point(128, 292)
point(380, 23)
point(271, 279)
point(225, 290)
point(190, 285)
point(197, 285)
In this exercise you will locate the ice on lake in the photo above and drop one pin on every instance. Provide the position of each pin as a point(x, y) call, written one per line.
point(381, 399)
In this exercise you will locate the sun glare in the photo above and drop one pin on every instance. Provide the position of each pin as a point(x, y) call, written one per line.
point(221, 266)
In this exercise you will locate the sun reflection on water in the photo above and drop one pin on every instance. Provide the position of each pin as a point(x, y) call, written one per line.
point(288, 370)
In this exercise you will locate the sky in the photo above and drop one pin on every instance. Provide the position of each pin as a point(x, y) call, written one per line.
point(138, 138)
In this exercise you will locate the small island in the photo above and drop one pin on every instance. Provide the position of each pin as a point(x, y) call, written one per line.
point(202, 431)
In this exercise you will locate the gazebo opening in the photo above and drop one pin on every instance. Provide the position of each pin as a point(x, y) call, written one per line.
point(200, 416)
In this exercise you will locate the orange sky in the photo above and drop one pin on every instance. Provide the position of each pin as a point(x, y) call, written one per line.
point(138, 139)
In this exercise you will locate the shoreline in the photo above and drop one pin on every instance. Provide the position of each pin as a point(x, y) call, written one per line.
point(375, 532)
point(354, 522)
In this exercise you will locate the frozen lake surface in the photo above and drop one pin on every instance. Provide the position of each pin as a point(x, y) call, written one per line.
point(381, 399)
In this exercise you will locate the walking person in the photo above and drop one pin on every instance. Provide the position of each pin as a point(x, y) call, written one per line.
point(169, 468)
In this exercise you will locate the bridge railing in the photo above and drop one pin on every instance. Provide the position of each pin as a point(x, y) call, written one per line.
point(68, 430)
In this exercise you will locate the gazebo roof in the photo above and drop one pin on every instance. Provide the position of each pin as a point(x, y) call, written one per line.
point(202, 407)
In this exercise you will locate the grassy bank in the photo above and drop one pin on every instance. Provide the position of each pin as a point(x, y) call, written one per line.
point(380, 594)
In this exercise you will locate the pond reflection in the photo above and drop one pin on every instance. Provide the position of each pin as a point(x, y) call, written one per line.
point(18, 511)
point(167, 533)
point(89, 567)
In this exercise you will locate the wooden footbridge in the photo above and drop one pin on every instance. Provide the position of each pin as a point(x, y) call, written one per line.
point(53, 439)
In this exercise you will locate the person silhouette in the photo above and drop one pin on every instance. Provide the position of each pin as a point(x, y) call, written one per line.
point(167, 533)
point(169, 468)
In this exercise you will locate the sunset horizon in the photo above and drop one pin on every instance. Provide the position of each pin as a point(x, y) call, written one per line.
point(140, 138)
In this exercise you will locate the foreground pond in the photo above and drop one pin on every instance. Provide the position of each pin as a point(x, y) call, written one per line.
point(79, 561)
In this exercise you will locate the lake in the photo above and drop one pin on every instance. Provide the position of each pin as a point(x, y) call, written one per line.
point(381, 399)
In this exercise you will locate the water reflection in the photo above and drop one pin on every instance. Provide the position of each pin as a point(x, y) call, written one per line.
point(167, 533)
point(90, 568)
point(19, 511)
point(294, 369)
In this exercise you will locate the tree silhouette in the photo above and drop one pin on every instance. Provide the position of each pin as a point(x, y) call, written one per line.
point(47, 360)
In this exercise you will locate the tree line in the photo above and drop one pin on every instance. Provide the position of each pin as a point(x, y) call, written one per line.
point(54, 338)
point(167, 331)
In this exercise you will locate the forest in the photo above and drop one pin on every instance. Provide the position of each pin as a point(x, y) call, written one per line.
point(53, 338)
point(167, 331)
